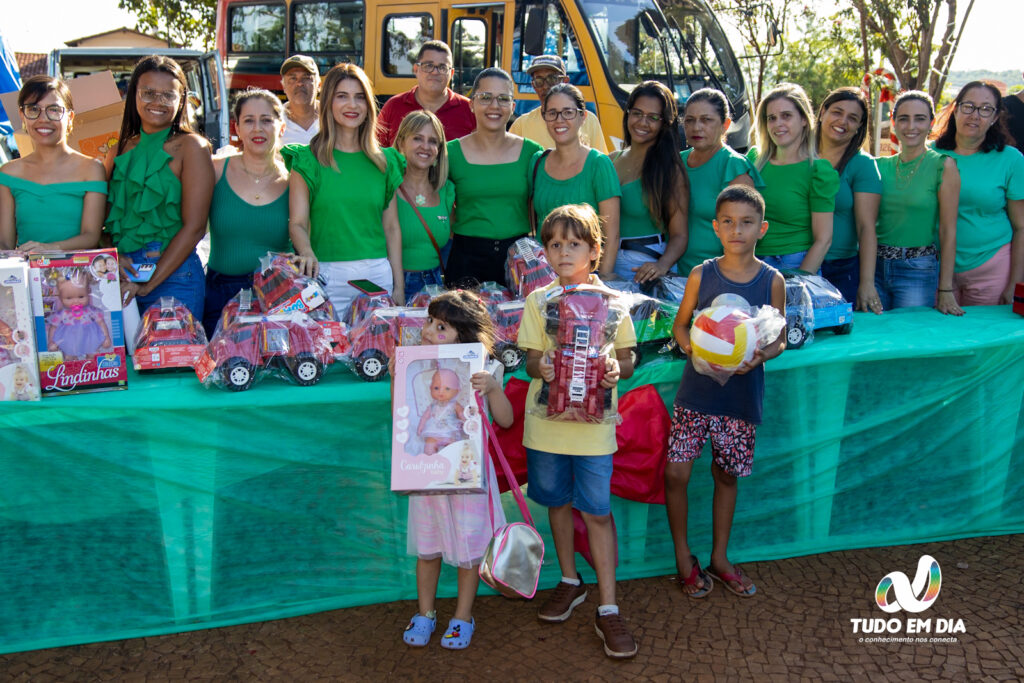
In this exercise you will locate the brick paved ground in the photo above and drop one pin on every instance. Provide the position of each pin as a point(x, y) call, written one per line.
point(797, 628)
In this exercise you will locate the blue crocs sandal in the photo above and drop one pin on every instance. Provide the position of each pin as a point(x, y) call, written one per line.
point(459, 634)
point(419, 630)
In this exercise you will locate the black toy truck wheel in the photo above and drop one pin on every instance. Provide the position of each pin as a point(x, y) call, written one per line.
point(795, 337)
point(372, 365)
point(237, 374)
point(511, 356)
point(843, 329)
point(305, 369)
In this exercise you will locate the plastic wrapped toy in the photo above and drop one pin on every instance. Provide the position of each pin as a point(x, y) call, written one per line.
point(507, 317)
point(582, 321)
point(829, 310)
point(168, 337)
point(374, 338)
point(726, 334)
point(527, 268)
point(363, 304)
point(281, 287)
point(492, 295)
point(425, 296)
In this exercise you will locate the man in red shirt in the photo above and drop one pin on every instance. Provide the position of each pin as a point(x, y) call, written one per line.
point(433, 69)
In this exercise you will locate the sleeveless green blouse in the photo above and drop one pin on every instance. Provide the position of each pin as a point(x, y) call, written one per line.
point(145, 195)
point(50, 212)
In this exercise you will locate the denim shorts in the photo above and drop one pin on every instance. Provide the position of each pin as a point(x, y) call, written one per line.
point(902, 283)
point(628, 259)
point(187, 284)
point(583, 480)
point(416, 280)
point(786, 261)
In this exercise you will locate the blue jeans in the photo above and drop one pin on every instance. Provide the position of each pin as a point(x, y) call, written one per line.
point(416, 280)
point(844, 273)
point(628, 259)
point(786, 261)
point(902, 283)
point(220, 289)
point(186, 284)
point(583, 480)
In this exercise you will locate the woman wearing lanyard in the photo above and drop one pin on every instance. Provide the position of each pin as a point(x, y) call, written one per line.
point(655, 194)
point(711, 166)
point(489, 168)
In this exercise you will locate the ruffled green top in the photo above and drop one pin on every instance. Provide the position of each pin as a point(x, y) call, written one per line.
point(50, 212)
point(145, 195)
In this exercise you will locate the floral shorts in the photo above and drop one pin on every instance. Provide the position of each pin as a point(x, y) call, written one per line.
point(732, 440)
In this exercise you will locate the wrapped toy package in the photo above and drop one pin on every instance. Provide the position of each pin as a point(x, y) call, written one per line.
point(507, 318)
point(76, 300)
point(582, 321)
point(169, 337)
point(437, 441)
point(726, 334)
point(282, 288)
point(19, 371)
point(374, 338)
point(527, 268)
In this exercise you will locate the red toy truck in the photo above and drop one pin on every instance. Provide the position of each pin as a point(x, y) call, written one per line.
point(169, 337)
point(373, 340)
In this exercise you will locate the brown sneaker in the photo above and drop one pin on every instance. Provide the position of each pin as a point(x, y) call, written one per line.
point(562, 601)
point(618, 641)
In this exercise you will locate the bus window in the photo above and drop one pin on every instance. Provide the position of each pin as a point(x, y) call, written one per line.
point(328, 27)
point(469, 51)
point(403, 35)
point(256, 28)
point(558, 40)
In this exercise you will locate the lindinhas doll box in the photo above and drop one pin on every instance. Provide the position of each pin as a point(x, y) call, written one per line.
point(437, 441)
point(76, 301)
point(19, 373)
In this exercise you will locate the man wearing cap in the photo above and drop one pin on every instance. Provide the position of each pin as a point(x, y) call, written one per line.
point(300, 79)
point(433, 69)
point(545, 72)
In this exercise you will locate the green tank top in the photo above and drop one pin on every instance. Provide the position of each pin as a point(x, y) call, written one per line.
point(240, 232)
point(145, 195)
point(634, 216)
point(51, 212)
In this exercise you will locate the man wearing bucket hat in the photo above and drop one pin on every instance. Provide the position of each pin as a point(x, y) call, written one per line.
point(546, 71)
point(300, 80)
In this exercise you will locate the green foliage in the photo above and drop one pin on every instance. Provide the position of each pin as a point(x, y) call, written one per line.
point(186, 22)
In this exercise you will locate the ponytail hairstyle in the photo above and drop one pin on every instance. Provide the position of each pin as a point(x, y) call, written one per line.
point(766, 147)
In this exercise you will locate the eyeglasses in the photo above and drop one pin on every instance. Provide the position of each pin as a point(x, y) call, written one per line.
point(566, 114)
point(164, 97)
point(637, 115)
point(54, 112)
point(553, 79)
point(431, 68)
point(485, 98)
point(984, 111)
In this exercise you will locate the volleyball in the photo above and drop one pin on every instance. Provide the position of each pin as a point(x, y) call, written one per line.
point(724, 337)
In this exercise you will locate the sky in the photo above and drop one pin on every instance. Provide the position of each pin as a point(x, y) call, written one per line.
point(991, 39)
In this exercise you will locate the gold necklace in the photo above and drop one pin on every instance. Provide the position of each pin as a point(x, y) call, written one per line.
point(903, 180)
point(257, 178)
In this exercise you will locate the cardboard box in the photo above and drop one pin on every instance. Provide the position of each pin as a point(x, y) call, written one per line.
point(80, 340)
point(19, 373)
point(98, 113)
point(437, 441)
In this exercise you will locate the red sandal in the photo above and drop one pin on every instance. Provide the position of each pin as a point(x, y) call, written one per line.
point(732, 581)
point(696, 574)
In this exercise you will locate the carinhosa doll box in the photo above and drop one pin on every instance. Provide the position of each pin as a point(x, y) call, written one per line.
point(437, 442)
point(76, 301)
point(19, 375)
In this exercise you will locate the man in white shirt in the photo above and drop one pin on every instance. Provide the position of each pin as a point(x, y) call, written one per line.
point(547, 71)
point(300, 79)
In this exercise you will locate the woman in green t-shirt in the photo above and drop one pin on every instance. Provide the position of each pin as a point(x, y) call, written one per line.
point(990, 225)
point(655, 193)
point(426, 201)
point(343, 216)
point(799, 188)
point(850, 262)
point(573, 173)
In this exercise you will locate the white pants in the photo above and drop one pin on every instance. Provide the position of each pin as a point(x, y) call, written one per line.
point(338, 273)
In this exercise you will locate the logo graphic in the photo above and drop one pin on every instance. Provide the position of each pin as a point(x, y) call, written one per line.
point(927, 583)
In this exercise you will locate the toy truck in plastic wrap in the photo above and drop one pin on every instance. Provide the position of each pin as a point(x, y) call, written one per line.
point(812, 304)
point(507, 317)
point(373, 340)
point(526, 267)
point(169, 337)
point(281, 288)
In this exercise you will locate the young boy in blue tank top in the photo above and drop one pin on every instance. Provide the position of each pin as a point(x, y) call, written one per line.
point(728, 414)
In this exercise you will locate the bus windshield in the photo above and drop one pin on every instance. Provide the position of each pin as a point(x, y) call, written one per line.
point(684, 47)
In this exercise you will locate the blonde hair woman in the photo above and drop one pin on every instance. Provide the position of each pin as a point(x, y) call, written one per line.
point(343, 217)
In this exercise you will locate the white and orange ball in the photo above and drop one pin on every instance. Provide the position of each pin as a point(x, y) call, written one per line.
point(724, 337)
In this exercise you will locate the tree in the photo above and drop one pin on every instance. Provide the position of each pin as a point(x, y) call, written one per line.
point(823, 56)
point(762, 26)
point(186, 22)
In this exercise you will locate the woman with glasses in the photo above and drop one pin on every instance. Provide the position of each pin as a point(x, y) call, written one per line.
point(489, 169)
point(990, 225)
point(920, 191)
point(710, 166)
point(573, 173)
point(343, 216)
point(655, 193)
point(161, 182)
point(54, 197)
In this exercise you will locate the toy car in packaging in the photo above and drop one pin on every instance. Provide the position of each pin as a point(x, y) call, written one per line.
point(582, 321)
point(19, 369)
point(426, 295)
point(169, 337)
point(363, 304)
point(437, 443)
point(813, 304)
point(374, 338)
point(507, 317)
point(527, 268)
point(76, 300)
point(281, 288)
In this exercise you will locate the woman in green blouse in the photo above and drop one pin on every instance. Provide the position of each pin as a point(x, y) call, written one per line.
point(53, 198)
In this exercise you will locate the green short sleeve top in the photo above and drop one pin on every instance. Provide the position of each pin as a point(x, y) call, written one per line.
point(491, 199)
point(596, 182)
point(144, 195)
point(706, 181)
point(908, 215)
point(418, 251)
point(859, 175)
point(51, 212)
point(346, 206)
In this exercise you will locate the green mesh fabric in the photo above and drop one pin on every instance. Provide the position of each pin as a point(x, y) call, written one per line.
point(168, 507)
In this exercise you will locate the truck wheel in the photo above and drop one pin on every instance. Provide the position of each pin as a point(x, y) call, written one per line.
point(843, 329)
point(306, 369)
point(637, 355)
point(237, 374)
point(795, 337)
point(511, 357)
point(372, 365)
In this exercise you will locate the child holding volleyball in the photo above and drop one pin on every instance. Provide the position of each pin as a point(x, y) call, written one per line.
point(729, 413)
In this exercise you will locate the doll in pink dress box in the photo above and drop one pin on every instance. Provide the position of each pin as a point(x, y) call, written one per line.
point(442, 421)
point(76, 328)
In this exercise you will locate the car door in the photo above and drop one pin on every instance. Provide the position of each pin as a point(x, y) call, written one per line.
point(215, 114)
